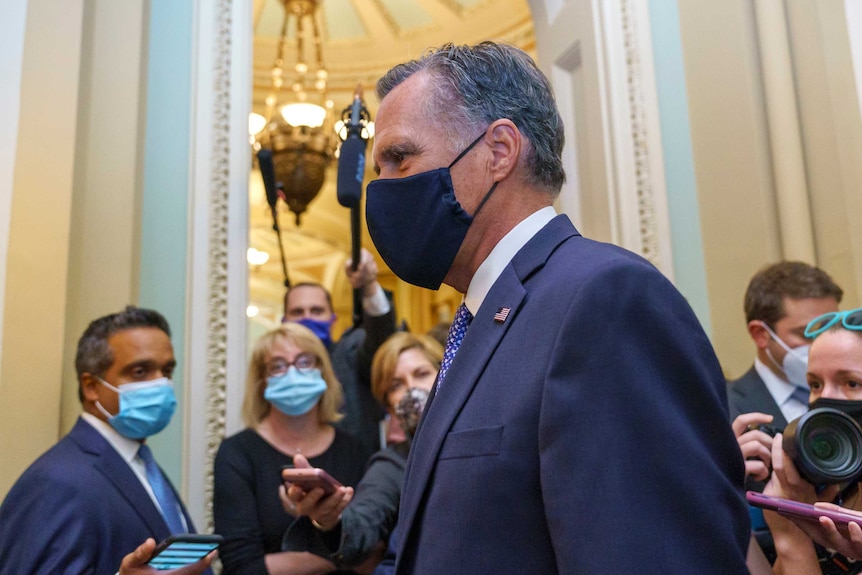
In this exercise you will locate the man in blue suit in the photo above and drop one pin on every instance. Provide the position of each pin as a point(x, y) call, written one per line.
point(97, 494)
point(581, 427)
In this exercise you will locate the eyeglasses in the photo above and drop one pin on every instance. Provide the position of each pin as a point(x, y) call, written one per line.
point(851, 320)
point(303, 363)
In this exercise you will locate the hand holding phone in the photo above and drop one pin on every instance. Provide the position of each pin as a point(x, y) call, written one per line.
point(804, 511)
point(310, 477)
point(179, 550)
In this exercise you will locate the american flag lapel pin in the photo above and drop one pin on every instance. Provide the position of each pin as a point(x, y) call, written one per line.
point(502, 314)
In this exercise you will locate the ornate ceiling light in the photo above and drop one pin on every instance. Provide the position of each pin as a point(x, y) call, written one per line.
point(298, 125)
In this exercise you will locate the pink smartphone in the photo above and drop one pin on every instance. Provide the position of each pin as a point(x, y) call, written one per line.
point(309, 478)
point(800, 510)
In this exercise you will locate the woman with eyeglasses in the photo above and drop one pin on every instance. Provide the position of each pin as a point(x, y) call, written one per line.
point(352, 529)
point(291, 400)
point(834, 373)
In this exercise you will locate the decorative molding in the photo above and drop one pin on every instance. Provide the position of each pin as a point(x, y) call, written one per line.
point(216, 378)
point(647, 227)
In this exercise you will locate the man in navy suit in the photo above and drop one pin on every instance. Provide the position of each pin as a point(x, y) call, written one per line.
point(97, 495)
point(581, 427)
point(779, 302)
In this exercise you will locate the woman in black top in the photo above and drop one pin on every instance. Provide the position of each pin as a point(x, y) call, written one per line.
point(291, 400)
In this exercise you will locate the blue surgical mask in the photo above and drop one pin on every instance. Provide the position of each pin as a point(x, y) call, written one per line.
point(295, 392)
point(321, 328)
point(146, 407)
point(417, 224)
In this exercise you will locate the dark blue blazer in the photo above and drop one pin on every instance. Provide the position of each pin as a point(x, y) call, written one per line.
point(749, 393)
point(79, 508)
point(586, 433)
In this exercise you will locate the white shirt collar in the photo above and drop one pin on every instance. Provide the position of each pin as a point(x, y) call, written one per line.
point(781, 391)
point(127, 448)
point(502, 254)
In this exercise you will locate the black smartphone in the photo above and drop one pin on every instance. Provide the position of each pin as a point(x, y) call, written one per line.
point(179, 550)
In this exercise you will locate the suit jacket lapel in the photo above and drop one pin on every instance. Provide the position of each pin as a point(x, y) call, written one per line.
point(482, 338)
point(109, 463)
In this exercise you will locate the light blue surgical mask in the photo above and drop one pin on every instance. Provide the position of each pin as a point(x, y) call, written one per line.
point(794, 366)
point(295, 392)
point(146, 407)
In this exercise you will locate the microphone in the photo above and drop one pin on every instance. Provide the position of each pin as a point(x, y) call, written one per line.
point(351, 161)
point(267, 170)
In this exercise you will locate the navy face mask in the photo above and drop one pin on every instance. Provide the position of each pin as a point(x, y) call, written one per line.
point(417, 225)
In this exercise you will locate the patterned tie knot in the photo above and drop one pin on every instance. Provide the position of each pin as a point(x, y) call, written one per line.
point(457, 330)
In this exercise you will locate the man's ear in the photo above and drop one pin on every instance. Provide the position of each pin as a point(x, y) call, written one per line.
point(89, 387)
point(507, 141)
point(758, 334)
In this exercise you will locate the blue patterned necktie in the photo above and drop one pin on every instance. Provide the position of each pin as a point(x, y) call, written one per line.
point(163, 492)
point(457, 330)
point(800, 394)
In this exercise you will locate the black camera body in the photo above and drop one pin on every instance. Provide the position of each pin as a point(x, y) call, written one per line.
point(825, 443)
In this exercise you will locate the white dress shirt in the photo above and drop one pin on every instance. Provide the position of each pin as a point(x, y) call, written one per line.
point(781, 391)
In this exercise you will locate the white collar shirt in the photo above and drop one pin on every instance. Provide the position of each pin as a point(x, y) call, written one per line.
point(781, 391)
point(493, 265)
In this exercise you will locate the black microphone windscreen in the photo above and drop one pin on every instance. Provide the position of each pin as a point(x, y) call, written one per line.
point(267, 170)
point(351, 171)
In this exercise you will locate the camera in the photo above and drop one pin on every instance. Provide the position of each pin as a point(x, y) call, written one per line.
point(825, 443)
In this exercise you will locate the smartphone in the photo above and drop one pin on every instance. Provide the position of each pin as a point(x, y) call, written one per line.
point(309, 478)
point(179, 550)
point(804, 511)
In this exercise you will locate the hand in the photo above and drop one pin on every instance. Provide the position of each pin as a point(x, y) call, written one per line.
point(827, 534)
point(324, 509)
point(756, 446)
point(135, 563)
point(788, 483)
point(364, 277)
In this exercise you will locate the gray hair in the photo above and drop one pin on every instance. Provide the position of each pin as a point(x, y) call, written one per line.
point(94, 355)
point(476, 85)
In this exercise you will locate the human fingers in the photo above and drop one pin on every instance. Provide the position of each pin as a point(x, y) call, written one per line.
point(138, 557)
point(328, 513)
point(743, 421)
point(300, 461)
point(756, 469)
point(754, 447)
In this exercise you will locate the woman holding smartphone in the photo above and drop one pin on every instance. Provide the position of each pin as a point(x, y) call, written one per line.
point(291, 400)
point(403, 372)
point(834, 372)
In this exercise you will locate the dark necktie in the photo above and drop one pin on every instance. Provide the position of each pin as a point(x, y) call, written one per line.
point(163, 492)
point(457, 330)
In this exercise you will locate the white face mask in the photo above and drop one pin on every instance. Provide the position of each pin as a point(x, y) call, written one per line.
point(795, 364)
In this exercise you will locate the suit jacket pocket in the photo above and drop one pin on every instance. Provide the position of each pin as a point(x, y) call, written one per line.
point(472, 442)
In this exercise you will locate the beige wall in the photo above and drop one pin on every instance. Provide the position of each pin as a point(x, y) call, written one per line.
point(36, 264)
point(74, 233)
point(832, 136)
point(104, 231)
point(733, 161)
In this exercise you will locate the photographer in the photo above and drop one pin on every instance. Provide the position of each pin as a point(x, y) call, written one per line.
point(835, 374)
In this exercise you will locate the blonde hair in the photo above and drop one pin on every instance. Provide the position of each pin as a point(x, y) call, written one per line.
point(255, 407)
point(386, 360)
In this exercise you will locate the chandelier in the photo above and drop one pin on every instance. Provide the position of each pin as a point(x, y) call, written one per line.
point(298, 126)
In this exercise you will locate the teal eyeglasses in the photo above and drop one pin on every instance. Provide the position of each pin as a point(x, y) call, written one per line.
point(851, 320)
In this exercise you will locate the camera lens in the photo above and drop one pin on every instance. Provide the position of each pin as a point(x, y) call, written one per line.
point(826, 446)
